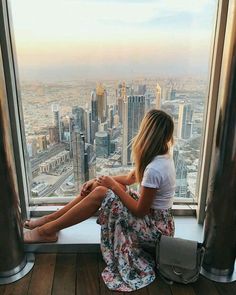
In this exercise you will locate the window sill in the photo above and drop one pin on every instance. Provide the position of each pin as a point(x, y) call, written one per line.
point(178, 210)
point(85, 237)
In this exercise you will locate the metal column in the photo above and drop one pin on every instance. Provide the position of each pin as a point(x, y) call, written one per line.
point(220, 222)
point(14, 264)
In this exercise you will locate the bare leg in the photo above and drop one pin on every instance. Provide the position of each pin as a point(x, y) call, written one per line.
point(70, 205)
point(31, 224)
point(80, 198)
point(79, 212)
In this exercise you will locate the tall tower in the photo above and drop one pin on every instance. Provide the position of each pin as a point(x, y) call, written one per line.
point(172, 93)
point(78, 148)
point(99, 104)
point(90, 164)
point(79, 118)
point(94, 106)
point(142, 88)
point(53, 135)
point(121, 95)
point(71, 129)
point(185, 121)
point(134, 109)
point(42, 142)
point(158, 97)
point(56, 120)
point(116, 120)
point(181, 189)
point(102, 144)
point(111, 116)
point(88, 126)
point(125, 132)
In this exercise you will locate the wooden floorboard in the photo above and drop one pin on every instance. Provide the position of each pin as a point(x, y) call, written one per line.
point(143, 291)
point(87, 274)
point(159, 287)
point(226, 289)
point(180, 289)
point(103, 288)
point(19, 287)
point(204, 286)
point(80, 274)
point(2, 289)
point(64, 282)
point(42, 276)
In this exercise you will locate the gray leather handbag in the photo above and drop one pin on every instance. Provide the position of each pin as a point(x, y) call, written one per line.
point(178, 260)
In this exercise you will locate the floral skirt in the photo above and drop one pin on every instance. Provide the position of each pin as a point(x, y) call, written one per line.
point(129, 267)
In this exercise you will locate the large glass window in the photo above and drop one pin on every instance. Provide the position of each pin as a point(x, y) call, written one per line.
point(89, 70)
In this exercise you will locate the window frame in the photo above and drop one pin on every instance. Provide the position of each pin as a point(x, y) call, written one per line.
point(17, 124)
point(14, 104)
point(204, 181)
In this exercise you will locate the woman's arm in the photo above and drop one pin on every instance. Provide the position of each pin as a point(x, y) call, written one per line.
point(139, 208)
point(126, 179)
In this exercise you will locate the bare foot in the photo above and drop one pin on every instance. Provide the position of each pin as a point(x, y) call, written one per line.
point(33, 223)
point(35, 236)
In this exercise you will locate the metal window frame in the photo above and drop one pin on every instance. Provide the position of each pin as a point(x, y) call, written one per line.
point(211, 110)
point(16, 112)
point(14, 104)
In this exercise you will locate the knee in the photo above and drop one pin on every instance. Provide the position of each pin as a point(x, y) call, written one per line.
point(100, 192)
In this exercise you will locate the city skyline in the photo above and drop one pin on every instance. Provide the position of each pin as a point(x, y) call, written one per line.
point(100, 39)
point(74, 143)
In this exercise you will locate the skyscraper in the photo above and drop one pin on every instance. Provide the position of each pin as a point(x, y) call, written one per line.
point(32, 147)
point(142, 88)
point(116, 120)
point(99, 104)
point(181, 190)
point(185, 121)
point(65, 121)
point(42, 142)
point(88, 126)
point(53, 135)
point(158, 97)
point(56, 119)
point(134, 109)
point(172, 94)
point(121, 93)
point(78, 148)
point(94, 106)
point(102, 139)
point(79, 116)
point(90, 163)
point(111, 116)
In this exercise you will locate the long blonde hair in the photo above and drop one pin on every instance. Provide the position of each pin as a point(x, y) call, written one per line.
point(154, 137)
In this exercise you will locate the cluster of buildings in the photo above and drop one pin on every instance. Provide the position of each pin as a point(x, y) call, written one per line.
point(104, 131)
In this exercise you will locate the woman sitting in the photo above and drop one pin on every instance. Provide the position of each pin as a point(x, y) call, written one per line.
point(128, 219)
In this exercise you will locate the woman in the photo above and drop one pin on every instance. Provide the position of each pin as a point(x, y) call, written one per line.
point(127, 219)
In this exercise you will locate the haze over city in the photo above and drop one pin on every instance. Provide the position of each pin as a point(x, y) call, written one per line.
point(63, 40)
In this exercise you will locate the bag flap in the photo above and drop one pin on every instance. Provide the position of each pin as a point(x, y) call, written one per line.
point(177, 252)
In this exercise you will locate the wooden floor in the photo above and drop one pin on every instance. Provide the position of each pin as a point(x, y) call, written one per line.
point(79, 274)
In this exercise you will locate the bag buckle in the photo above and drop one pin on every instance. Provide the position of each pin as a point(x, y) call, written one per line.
point(176, 272)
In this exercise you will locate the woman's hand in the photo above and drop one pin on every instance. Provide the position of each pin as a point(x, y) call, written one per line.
point(86, 187)
point(106, 181)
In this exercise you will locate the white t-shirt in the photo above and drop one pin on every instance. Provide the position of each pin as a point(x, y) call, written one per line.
point(160, 174)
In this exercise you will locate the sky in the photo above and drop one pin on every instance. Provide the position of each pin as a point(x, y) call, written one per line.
point(74, 39)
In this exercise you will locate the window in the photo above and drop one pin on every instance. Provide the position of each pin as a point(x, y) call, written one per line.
point(89, 70)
